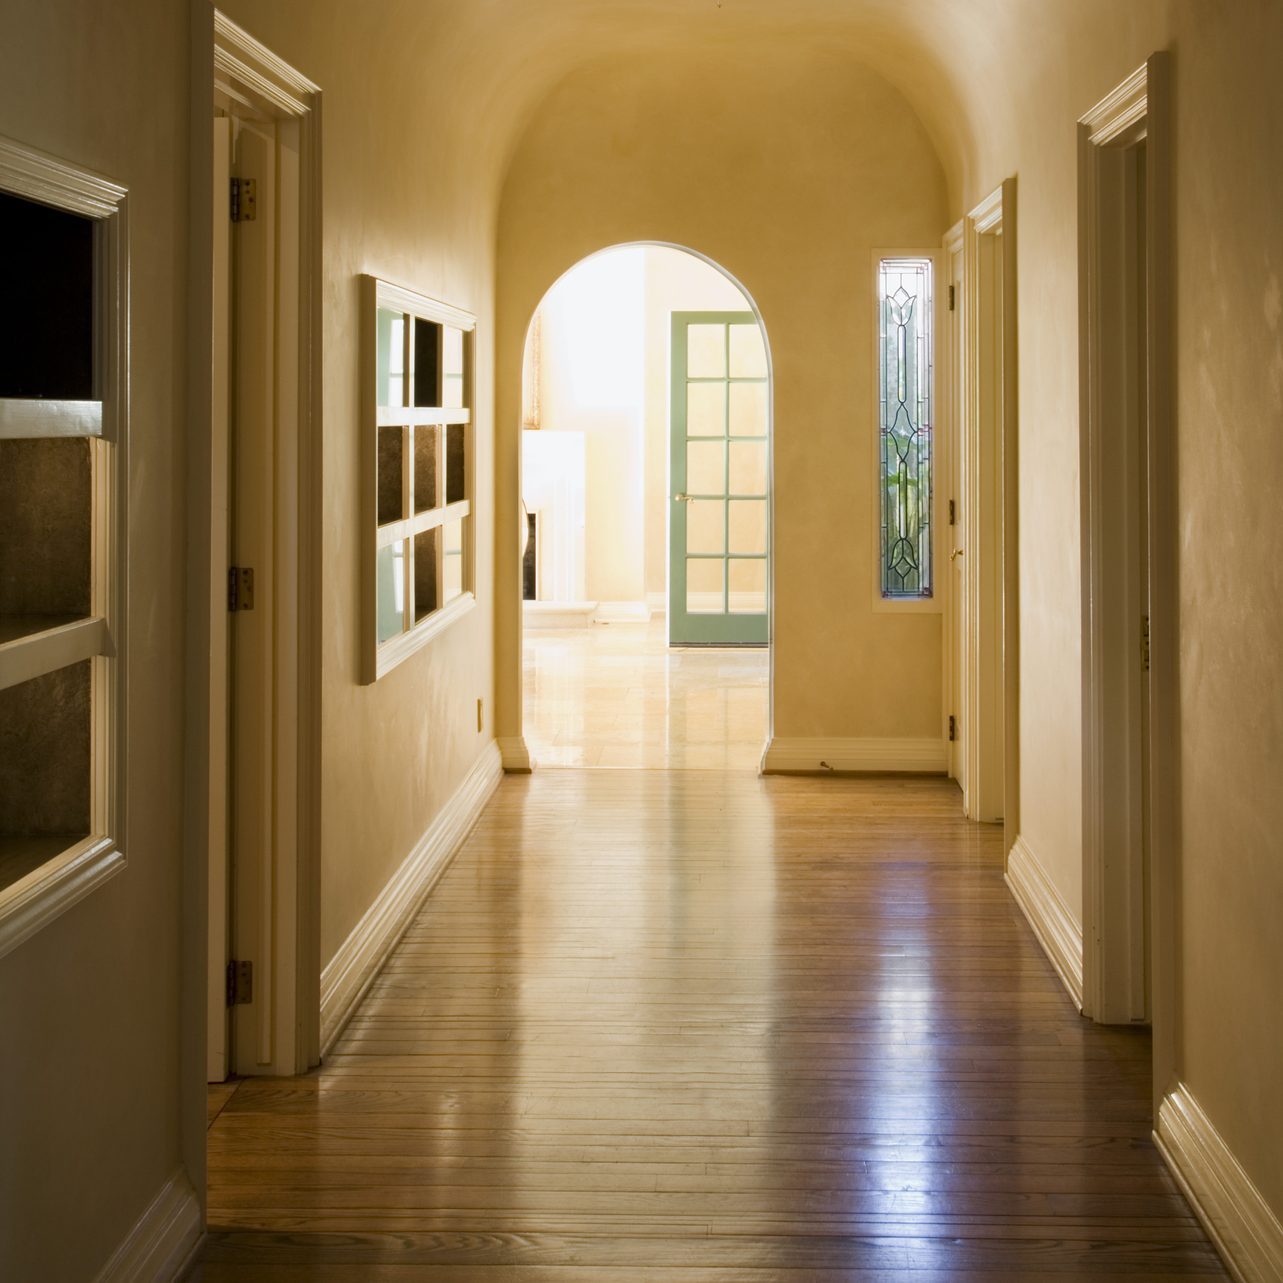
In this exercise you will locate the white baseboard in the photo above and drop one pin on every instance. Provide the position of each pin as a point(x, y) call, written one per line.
point(817, 756)
point(622, 612)
point(1049, 916)
point(515, 753)
point(1246, 1231)
point(557, 614)
point(657, 603)
point(347, 976)
point(160, 1244)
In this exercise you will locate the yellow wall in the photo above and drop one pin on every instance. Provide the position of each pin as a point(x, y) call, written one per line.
point(680, 149)
point(89, 1025)
point(1031, 81)
point(760, 141)
point(401, 201)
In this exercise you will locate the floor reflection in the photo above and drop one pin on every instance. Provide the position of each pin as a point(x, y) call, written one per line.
point(617, 695)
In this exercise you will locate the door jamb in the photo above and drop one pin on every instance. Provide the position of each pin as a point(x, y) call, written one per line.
point(227, 60)
point(991, 717)
point(950, 381)
point(1115, 957)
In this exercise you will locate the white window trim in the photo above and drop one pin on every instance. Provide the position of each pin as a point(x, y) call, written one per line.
point(933, 605)
point(46, 892)
point(380, 658)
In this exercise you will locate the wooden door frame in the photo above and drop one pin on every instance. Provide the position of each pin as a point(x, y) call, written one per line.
point(990, 475)
point(1119, 956)
point(229, 64)
point(950, 382)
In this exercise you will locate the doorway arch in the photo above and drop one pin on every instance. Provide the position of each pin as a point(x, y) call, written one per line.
point(512, 344)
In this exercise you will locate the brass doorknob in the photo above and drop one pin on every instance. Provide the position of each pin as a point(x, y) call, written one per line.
point(681, 498)
point(956, 553)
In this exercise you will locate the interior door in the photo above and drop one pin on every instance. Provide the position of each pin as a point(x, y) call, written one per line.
point(719, 527)
point(217, 1042)
point(252, 472)
point(956, 601)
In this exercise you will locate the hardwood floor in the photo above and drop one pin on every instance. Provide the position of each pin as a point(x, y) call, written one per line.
point(699, 1026)
point(617, 695)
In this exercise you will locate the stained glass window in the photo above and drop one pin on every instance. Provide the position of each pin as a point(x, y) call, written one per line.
point(904, 373)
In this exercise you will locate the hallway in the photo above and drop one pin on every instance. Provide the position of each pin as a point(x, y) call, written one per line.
point(698, 1026)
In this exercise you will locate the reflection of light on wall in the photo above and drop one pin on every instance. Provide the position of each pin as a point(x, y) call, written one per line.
point(599, 309)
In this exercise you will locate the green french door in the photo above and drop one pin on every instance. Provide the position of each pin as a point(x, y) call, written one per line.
point(719, 531)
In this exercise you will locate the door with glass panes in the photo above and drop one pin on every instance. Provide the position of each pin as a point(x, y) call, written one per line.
point(719, 531)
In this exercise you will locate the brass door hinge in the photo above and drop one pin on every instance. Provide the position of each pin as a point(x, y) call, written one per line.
point(240, 588)
point(240, 983)
point(953, 728)
point(243, 200)
point(1144, 643)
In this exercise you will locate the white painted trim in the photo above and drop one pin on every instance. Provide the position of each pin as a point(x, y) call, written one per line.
point(26, 657)
point(403, 645)
point(989, 716)
point(32, 417)
point(657, 603)
point(348, 975)
point(161, 1243)
point(516, 754)
point(819, 756)
point(1239, 1221)
point(622, 612)
point(949, 384)
point(1052, 921)
point(45, 893)
point(249, 81)
point(1129, 968)
point(251, 73)
point(557, 614)
point(1119, 111)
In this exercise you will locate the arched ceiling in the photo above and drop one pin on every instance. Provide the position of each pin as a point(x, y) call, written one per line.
point(511, 53)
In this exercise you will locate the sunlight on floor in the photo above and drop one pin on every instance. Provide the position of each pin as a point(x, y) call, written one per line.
point(616, 695)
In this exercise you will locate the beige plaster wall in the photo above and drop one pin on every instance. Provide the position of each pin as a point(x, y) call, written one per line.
point(677, 149)
point(89, 1006)
point(1035, 80)
point(405, 199)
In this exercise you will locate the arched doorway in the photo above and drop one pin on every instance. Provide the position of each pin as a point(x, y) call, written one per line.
point(645, 487)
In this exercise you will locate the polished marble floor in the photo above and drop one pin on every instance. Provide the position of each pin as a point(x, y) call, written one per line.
point(616, 695)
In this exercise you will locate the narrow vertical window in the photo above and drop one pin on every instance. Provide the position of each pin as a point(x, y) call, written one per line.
point(905, 429)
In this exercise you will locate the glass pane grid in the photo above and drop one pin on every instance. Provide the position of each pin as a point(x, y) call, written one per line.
point(905, 426)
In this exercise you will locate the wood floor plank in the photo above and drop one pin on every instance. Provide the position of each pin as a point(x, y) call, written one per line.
point(700, 1027)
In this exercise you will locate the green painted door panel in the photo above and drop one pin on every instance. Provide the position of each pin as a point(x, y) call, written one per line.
point(719, 529)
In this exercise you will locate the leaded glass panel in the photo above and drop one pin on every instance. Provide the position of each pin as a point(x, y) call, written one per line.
point(904, 347)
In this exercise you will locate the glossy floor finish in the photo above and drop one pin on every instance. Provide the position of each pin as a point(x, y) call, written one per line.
point(697, 1026)
point(616, 695)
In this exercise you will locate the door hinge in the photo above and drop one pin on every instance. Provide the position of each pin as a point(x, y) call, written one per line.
point(953, 297)
point(240, 588)
point(953, 728)
point(1144, 643)
point(953, 513)
point(240, 983)
point(243, 202)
